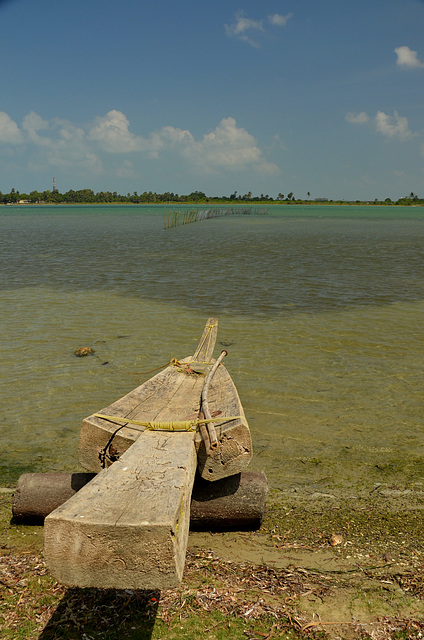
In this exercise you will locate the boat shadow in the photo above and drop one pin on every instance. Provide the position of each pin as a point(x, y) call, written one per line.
point(107, 613)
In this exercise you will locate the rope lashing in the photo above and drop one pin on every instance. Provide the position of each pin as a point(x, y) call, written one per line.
point(178, 425)
point(181, 366)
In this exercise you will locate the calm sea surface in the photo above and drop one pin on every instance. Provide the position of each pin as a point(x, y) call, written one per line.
point(320, 308)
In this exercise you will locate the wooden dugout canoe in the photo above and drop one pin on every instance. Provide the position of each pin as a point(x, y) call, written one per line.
point(171, 397)
point(128, 527)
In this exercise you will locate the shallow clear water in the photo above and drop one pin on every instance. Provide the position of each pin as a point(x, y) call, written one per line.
point(321, 308)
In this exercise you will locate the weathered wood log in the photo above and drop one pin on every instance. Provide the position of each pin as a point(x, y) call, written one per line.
point(234, 503)
point(38, 494)
point(128, 527)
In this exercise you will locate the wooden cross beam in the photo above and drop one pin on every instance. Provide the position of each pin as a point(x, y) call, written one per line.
point(128, 527)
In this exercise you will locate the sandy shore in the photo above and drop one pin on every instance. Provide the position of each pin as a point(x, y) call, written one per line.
point(346, 568)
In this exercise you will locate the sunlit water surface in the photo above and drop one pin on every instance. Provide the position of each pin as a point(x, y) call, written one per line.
point(320, 308)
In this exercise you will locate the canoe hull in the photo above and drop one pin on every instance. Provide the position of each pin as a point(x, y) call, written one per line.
point(172, 395)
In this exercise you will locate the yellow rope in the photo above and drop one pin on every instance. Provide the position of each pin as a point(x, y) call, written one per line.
point(181, 366)
point(179, 425)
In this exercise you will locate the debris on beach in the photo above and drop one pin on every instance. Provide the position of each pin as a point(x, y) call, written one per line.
point(336, 539)
point(84, 351)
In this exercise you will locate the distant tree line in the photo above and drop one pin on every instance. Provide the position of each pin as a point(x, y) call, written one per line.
point(148, 197)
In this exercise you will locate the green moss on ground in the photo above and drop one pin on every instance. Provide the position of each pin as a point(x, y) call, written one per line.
point(373, 526)
point(16, 538)
point(370, 584)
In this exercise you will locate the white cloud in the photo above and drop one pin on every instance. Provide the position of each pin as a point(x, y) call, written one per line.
point(408, 58)
point(243, 27)
point(228, 147)
point(243, 24)
point(9, 130)
point(112, 133)
point(395, 126)
point(62, 144)
point(32, 124)
point(166, 138)
point(278, 20)
point(357, 118)
point(47, 143)
point(59, 134)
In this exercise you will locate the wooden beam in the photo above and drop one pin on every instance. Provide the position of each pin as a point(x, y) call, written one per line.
point(128, 527)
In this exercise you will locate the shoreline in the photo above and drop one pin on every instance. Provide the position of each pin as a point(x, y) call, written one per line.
point(329, 203)
point(335, 566)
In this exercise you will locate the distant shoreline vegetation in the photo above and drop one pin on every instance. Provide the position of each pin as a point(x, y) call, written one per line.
point(87, 196)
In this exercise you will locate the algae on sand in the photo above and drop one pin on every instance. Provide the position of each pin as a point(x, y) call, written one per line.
point(285, 580)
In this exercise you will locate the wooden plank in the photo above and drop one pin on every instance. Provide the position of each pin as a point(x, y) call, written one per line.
point(128, 527)
point(206, 344)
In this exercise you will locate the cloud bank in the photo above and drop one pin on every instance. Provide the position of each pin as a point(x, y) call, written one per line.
point(395, 126)
point(59, 142)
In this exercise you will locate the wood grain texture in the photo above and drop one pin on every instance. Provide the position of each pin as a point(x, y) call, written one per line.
point(127, 528)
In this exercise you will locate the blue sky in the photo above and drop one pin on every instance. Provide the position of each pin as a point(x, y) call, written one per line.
point(271, 97)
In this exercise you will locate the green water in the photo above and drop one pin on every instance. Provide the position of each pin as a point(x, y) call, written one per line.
point(320, 309)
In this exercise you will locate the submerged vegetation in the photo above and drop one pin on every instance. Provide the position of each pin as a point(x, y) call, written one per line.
point(88, 196)
point(177, 218)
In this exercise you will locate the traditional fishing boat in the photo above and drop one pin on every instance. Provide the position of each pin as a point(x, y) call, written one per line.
point(192, 394)
point(128, 527)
